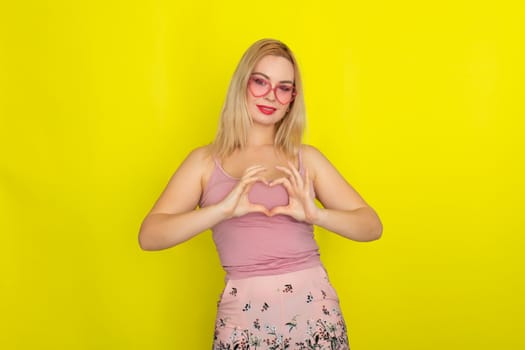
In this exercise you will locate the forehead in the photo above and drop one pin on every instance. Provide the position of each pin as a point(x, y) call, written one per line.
point(276, 67)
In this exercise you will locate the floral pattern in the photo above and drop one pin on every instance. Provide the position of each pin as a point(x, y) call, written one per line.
point(318, 326)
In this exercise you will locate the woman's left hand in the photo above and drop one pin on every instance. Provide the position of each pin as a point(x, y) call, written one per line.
point(301, 205)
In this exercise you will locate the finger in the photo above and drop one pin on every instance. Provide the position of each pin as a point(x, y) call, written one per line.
point(252, 177)
point(289, 173)
point(243, 186)
point(296, 174)
point(248, 183)
point(255, 176)
point(285, 182)
point(307, 182)
point(284, 169)
point(262, 179)
point(281, 210)
point(259, 208)
point(253, 170)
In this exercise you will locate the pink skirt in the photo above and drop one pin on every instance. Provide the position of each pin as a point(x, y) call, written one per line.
point(296, 310)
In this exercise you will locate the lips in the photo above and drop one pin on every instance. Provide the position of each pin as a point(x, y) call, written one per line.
point(266, 109)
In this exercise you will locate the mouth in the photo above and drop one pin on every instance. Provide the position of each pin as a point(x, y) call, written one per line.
point(266, 109)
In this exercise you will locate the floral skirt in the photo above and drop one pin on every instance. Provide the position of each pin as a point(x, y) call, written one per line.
point(297, 310)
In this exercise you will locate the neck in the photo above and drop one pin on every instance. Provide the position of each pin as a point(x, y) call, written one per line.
point(261, 135)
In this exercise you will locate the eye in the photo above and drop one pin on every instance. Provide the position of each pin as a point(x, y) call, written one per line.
point(259, 81)
point(286, 88)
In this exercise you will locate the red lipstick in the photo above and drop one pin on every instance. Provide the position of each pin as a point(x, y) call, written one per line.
point(266, 109)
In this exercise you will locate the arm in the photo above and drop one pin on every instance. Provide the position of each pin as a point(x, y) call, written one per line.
point(174, 218)
point(345, 212)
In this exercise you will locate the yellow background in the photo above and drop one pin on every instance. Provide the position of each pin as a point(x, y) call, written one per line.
point(419, 104)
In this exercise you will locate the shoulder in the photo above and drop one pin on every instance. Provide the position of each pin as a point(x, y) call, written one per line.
point(197, 162)
point(201, 153)
point(200, 157)
point(201, 161)
point(185, 185)
point(311, 154)
point(313, 159)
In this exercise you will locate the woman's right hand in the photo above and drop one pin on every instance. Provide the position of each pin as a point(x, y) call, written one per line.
point(236, 203)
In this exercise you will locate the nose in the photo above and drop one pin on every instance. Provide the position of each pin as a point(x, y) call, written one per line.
point(270, 96)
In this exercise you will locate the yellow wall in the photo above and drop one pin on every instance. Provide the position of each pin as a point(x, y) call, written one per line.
point(420, 106)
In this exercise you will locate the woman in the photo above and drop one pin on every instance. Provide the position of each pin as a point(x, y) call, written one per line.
point(255, 186)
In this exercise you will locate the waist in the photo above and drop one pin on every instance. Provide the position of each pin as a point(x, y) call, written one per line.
point(274, 267)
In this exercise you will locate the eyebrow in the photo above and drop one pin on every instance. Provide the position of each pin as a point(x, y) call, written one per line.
point(267, 77)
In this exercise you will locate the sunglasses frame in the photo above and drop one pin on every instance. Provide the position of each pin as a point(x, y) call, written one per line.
point(270, 88)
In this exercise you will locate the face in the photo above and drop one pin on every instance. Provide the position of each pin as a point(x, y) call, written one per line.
point(270, 90)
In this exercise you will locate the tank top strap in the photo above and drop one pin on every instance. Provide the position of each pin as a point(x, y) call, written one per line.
point(217, 176)
point(217, 162)
point(300, 161)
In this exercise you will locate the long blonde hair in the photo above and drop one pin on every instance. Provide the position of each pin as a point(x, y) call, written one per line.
point(235, 120)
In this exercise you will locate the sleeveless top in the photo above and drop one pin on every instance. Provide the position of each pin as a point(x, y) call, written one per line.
point(255, 244)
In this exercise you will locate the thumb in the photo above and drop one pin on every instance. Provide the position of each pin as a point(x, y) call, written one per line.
point(259, 208)
point(284, 210)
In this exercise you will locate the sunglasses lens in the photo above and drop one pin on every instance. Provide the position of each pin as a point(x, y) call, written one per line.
point(259, 86)
point(284, 93)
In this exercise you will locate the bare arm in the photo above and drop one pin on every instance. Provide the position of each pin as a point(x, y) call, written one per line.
point(174, 218)
point(345, 212)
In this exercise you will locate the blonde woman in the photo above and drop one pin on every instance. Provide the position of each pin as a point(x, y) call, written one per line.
point(255, 187)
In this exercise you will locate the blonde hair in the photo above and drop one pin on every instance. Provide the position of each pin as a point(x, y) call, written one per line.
point(235, 120)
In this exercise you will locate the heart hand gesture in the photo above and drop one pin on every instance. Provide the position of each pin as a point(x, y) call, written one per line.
point(237, 202)
point(301, 205)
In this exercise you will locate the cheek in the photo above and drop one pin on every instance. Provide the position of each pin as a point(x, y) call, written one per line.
point(250, 100)
point(282, 112)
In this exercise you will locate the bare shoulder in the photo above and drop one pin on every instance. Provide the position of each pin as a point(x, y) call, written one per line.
point(331, 188)
point(200, 154)
point(185, 187)
point(313, 159)
point(200, 163)
point(309, 151)
point(198, 158)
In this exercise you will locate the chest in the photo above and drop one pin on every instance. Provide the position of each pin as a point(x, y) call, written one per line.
point(238, 163)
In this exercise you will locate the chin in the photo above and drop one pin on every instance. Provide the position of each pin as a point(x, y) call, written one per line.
point(261, 118)
point(267, 121)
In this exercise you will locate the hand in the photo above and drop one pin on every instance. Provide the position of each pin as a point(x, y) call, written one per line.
point(236, 202)
point(301, 205)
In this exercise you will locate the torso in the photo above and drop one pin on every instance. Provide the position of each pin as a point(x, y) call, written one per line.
point(235, 164)
point(255, 244)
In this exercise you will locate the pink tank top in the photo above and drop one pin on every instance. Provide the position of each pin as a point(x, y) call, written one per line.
point(255, 244)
